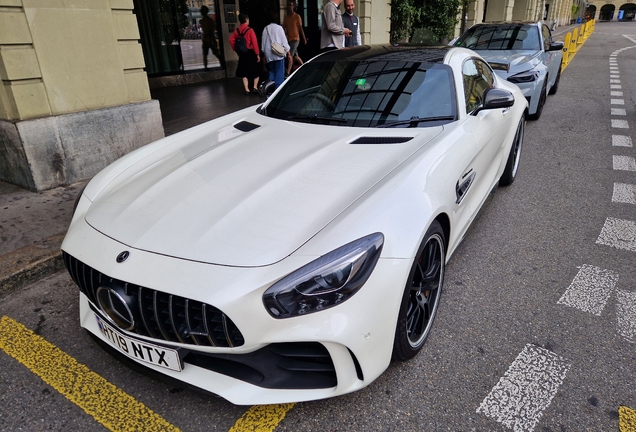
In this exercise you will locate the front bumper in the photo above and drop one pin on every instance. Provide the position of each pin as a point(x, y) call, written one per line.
point(316, 356)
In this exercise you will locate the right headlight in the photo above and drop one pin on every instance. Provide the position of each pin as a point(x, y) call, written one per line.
point(325, 282)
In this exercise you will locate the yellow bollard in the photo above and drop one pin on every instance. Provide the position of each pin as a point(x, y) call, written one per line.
point(566, 51)
point(575, 41)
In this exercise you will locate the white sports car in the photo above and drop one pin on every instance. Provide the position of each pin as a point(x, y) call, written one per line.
point(289, 252)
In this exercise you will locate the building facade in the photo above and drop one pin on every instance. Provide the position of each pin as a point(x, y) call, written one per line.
point(76, 75)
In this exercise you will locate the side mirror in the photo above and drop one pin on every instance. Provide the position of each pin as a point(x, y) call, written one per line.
point(556, 46)
point(497, 98)
point(266, 88)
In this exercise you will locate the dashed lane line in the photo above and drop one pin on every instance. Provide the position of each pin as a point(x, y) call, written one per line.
point(623, 163)
point(262, 418)
point(107, 404)
point(626, 314)
point(618, 233)
point(621, 140)
point(519, 398)
point(590, 289)
point(624, 193)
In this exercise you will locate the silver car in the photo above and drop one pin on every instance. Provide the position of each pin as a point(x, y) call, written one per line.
point(523, 53)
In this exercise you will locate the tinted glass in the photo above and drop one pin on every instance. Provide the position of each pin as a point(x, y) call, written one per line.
point(367, 94)
point(501, 37)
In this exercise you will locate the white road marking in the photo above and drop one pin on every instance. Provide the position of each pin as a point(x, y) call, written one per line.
point(616, 93)
point(527, 388)
point(621, 141)
point(617, 101)
point(618, 233)
point(590, 289)
point(614, 76)
point(616, 86)
point(624, 193)
point(619, 111)
point(620, 124)
point(624, 163)
point(626, 314)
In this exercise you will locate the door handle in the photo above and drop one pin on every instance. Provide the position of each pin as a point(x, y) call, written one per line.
point(463, 185)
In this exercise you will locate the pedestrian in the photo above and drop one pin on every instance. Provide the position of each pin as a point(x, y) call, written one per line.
point(293, 25)
point(273, 33)
point(208, 40)
point(333, 31)
point(243, 42)
point(351, 22)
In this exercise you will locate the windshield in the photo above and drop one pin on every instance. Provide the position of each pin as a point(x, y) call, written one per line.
point(367, 94)
point(501, 37)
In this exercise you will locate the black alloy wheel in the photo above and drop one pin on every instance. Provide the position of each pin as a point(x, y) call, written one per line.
point(555, 86)
point(512, 164)
point(542, 99)
point(421, 296)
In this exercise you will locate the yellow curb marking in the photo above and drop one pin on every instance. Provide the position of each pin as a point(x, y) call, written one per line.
point(106, 403)
point(261, 418)
point(626, 419)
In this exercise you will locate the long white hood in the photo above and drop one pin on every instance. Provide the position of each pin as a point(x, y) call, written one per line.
point(248, 198)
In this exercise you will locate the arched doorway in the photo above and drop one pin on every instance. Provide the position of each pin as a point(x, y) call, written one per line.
point(627, 12)
point(590, 12)
point(607, 13)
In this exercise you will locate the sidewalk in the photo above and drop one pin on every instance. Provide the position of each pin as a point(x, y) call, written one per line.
point(33, 225)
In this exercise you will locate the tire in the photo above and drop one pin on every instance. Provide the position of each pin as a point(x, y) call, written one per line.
point(512, 164)
point(555, 86)
point(542, 99)
point(421, 295)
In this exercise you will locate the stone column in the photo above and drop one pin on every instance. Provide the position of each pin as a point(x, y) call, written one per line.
point(74, 95)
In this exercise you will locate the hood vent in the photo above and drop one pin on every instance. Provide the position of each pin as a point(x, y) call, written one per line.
point(246, 126)
point(381, 140)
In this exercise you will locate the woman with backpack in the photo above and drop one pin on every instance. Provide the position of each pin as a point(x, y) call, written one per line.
point(244, 43)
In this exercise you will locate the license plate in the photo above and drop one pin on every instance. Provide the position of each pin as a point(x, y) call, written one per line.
point(139, 350)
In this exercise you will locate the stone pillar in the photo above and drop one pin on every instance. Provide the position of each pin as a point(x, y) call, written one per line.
point(374, 30)
point(74, 95)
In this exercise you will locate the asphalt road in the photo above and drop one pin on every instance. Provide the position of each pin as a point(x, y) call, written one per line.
point(505, 317)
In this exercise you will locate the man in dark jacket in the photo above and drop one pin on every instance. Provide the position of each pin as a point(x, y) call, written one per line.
point(351, 22)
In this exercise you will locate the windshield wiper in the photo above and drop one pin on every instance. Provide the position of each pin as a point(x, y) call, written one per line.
point(317, 117)
point(414, 121)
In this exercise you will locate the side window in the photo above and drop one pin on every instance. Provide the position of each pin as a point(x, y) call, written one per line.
point(547, 37)
point(477, 79)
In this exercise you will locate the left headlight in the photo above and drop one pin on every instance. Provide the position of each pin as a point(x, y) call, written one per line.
point(325, 282)
point(524, 77)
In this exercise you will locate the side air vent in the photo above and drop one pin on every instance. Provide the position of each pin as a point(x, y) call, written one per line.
point(381, 140)
point(246, 126)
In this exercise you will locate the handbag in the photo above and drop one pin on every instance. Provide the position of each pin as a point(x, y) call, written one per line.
point(277, 48)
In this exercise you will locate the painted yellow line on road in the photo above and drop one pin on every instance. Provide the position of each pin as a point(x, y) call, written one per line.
point(626, 419)
point(262, 418)
point(110, 406)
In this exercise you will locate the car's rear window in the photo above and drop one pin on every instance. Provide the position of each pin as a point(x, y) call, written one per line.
point(501, 37)
point(367, 94)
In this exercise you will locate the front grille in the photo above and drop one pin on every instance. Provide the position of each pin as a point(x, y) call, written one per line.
point(160, 315)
